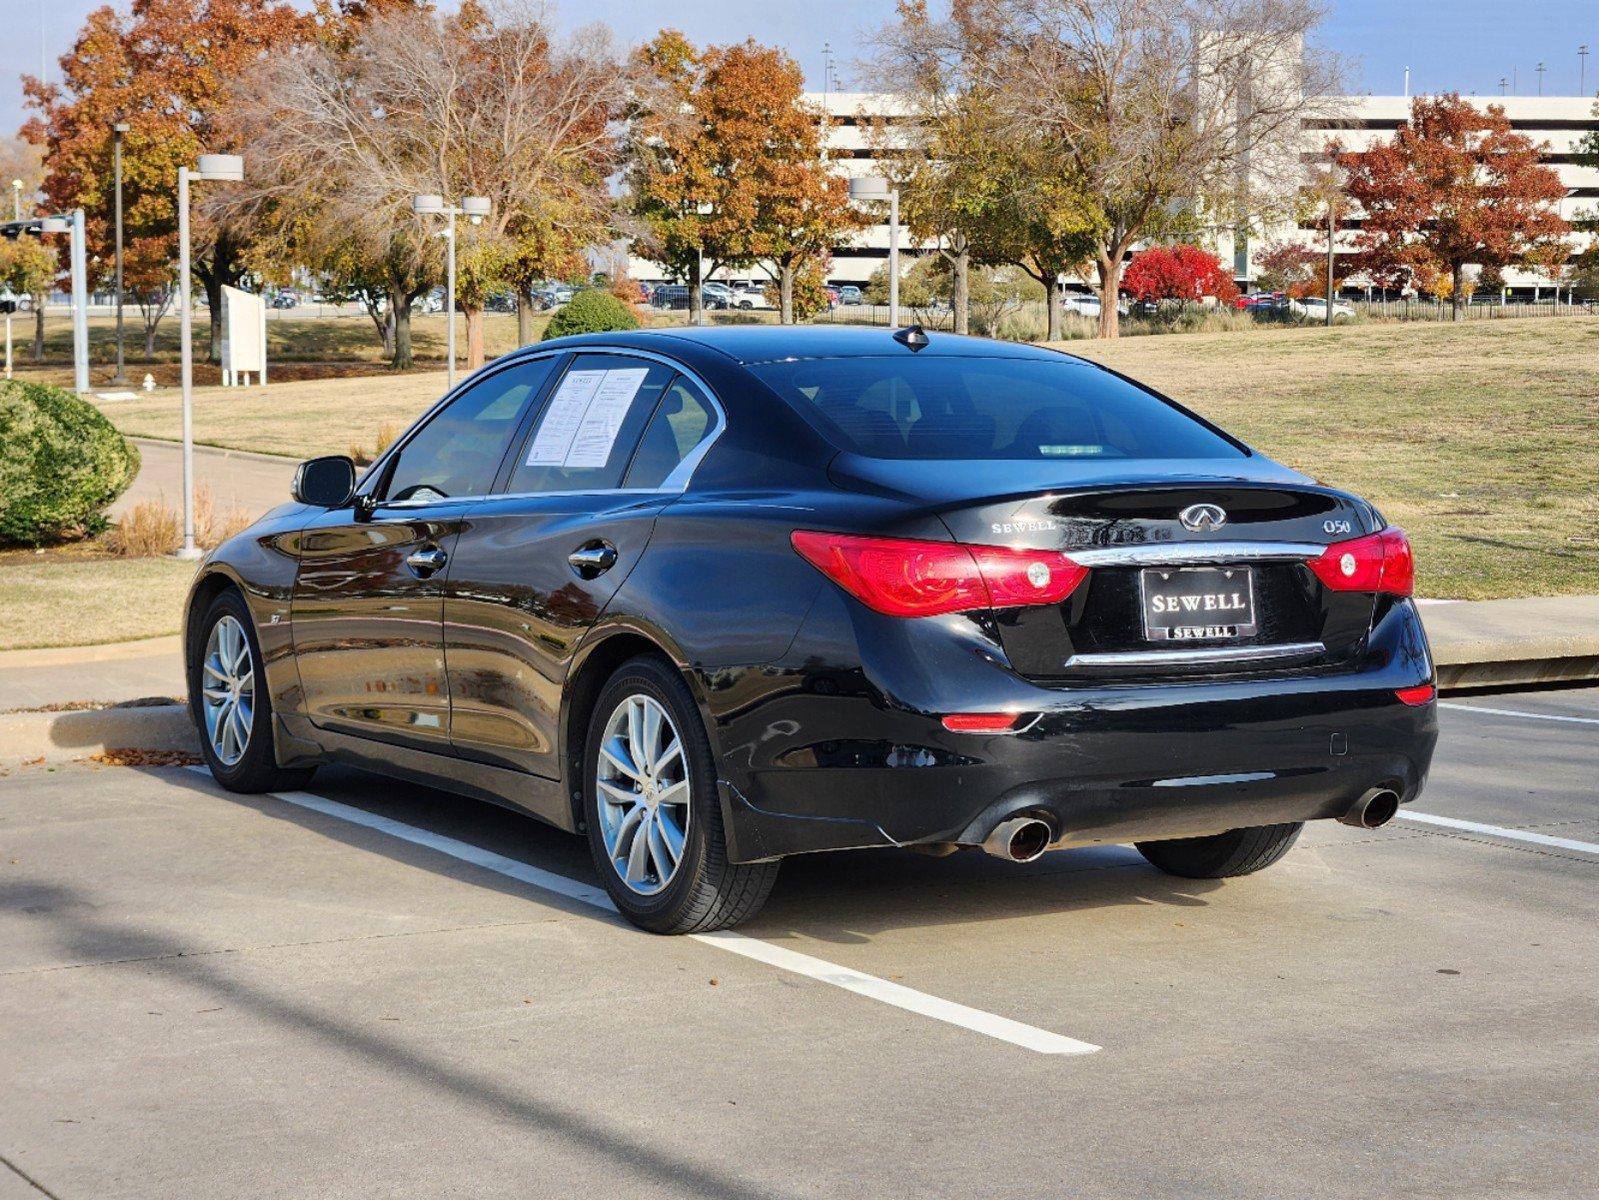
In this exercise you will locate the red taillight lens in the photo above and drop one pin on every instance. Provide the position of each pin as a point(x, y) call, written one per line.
point(905, 578)
point(1381, 562)
point(980, 722)
point(1416, 696)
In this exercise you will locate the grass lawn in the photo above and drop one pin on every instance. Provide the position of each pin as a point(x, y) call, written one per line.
point(1481, 439)
point(54, 600)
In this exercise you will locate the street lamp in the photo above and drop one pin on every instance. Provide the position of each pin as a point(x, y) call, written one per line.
point(1335, 182)
point(474, 208)
point(117, 131)
point(73, 226)
point(1582, 69)
point(877, 187)
point(1540, 68)
point(212, 168)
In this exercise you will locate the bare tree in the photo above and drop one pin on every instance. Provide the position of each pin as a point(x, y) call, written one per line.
point(1171, 113)
point(485, 102)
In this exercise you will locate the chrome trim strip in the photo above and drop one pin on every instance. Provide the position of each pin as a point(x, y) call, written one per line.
point(1180, 658)
point(1150, 554)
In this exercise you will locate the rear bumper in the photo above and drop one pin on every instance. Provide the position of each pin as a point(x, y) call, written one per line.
point(817, 764)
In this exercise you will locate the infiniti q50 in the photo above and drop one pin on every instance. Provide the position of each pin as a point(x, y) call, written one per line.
point(713, 597)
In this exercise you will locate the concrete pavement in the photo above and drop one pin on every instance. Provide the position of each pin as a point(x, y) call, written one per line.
point(252, 482)
point(204, 994)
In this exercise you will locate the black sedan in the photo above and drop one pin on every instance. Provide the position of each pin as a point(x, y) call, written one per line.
point(712, 597)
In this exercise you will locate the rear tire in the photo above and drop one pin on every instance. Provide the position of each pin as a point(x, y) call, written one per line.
point(235, 722)
point(677, 805)
point(1223, 855)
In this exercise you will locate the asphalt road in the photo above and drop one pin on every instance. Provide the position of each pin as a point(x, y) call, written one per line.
point(373, 990)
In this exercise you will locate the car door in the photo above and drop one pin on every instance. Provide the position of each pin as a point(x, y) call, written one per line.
point(537, 564)
point(368, 606)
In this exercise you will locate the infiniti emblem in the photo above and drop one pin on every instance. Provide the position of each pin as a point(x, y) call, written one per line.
point(1202, 518)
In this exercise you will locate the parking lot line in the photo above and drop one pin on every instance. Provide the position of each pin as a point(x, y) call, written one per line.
point(988, 1024)
point(1520, 835)
point(1512, 712)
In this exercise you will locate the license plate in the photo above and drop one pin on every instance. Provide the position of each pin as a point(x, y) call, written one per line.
point(1198, 604)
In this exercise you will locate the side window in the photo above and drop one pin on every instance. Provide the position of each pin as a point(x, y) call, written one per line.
point(583, 439)
point(679, 424)
point(458, 452)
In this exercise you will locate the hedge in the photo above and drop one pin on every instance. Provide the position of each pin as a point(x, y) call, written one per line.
point(61, 464)
point(590, 312)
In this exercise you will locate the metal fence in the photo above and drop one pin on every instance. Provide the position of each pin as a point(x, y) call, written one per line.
point(1439, 310)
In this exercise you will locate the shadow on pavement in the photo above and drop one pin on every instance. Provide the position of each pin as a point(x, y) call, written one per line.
point(843, 898)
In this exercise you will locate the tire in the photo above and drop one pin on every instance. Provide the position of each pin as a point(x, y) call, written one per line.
point(1223, 855)
point(701, 890)
point(253, 767)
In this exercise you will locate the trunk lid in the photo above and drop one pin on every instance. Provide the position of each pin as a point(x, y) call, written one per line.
point(1241, 599)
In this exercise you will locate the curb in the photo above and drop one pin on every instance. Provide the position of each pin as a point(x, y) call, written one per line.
point(59, 656)
point(221, 451)
point(59, 737)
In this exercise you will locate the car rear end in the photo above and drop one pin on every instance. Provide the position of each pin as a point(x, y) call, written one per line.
point(1124, 648)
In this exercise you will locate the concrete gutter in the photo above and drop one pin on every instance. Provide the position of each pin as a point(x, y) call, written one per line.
point(61, 736)
point(1506, 643)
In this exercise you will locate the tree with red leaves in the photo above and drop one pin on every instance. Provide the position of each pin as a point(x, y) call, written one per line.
point(1456, 186)
point(1181, 272)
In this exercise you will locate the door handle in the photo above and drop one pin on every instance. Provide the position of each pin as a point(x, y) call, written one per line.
point(592, 558)
point(426, 560)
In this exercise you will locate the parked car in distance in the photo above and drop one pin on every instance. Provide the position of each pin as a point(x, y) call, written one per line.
point(18, 301)
point(821, 588)
point(750, 296)
point(1314, 308)
point(849, 293)
point(432, 302)
point(282, 298)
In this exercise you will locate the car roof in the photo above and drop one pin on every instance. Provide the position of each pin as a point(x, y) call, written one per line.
point(748, 344)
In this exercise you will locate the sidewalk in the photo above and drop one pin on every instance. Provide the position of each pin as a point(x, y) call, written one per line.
point(237, 478)
point(1479, 643)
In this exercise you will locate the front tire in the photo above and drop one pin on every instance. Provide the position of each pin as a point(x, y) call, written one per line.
point(651, 808)
point(230, 703)
point(1223, 855)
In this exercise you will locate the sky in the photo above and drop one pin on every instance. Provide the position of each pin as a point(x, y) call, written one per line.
point(1464, 45)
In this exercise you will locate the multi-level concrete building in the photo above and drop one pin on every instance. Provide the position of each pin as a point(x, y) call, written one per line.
point(1559, 121)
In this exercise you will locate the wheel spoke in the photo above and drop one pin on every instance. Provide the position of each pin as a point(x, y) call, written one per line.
point(671, 832)
point(616, 795)
point(659, 855)
point(615, 753)
point(638, 852)
point(648, 746)
point(676, 793)
point(672, 751)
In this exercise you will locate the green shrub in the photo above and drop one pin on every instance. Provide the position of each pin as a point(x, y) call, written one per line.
point(61, 464)
point(590, 312)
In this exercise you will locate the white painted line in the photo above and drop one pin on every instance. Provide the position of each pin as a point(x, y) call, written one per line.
point(1001, 1028)
point(1519, 835)
point(1511, 712)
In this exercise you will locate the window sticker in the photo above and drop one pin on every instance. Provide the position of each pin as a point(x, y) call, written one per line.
point(584, 418)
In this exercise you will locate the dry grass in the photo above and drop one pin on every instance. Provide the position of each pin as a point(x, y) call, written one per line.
point(79, 602)
point(363, 457)
point(155, 527)
point(1481, 439)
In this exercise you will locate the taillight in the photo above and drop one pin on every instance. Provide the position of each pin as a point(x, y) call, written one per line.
point(1416, 696)
point(980, 722)
point(1380, 562)
point(905, 578)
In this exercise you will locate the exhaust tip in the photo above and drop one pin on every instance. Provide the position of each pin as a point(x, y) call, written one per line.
point(1373, 810)
point(1020, 839)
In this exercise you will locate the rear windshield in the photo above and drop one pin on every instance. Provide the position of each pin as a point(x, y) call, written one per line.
point(952, 408)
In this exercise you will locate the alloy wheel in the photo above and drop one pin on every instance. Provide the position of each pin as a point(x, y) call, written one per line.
point(643, 791)
point(228, 690)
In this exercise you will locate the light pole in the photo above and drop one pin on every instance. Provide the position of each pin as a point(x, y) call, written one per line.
point(1582, 69)
point(217, 168)
point(475, 208)
point(73, 226)
point(1504, 85)
point(1540, 68)
point(878, 187)
point(1335, 179)
point(117, 131)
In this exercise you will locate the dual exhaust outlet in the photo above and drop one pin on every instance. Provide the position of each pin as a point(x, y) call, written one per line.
point(1024, 839)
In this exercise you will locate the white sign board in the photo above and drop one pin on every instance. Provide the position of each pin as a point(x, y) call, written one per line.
point(243, 336)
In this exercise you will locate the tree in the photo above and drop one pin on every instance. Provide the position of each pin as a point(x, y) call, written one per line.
point(1179, 272)
point(1168, 112)
point(162, 70)
point(492, 107)
point(719, 171)
point(28, 268)
point(1455, 186)
point(1290, 266)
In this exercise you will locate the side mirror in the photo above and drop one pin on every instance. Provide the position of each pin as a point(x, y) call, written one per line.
point(327, 482)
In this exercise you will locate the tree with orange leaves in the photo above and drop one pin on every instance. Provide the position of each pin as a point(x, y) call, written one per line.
point(1456, 186)
point(724, 162)
point(161, 70)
